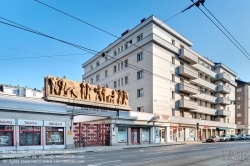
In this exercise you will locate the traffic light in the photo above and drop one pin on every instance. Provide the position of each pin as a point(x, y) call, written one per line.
point(197, 126)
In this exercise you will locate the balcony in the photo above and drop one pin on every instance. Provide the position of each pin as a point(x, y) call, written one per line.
point(206, 97)
point(205, 70)
point(188, 104)
point(223, 89)
point(204, 83)
point(188, 88)
point(188, 56)
point(182, 120)
point(224, 77)
point(205, 110)
point(188, 72)
point(223, 100)
point(223, 113)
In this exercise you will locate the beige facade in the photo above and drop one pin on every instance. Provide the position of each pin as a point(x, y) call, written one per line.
point(163, 75)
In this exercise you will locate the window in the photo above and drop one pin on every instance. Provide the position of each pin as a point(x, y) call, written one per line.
point(140, 93)
point(106, 73)
point(115, 53)
point(6, 135)
point(121, 65)
point(238, 115)
point(126, 63)
point(106, 85)
point(182, 97)
point(34, 94)
point(122, 81)
point(97, 77)
point(126, 80)
point(173, 96)
point(97, 64)
point(173, 112)
point(126, 45)
point(145, 134)
point(139, 75)
point(119, 83)
point(139, 57)
point(238, 106)
point(239, 90)
point(181, 63)
point(122, 134)
point(140, 109)
point(238, 122)
point(31, 136)
point(121, 48)
point(173, 42)
point(173, 60)
point(114, 69)
point(54, 136)
point(181, 113)
point(139, 38)
point(173, 77)
point(238, 98)
point(115, 84)
point(106, 58)
point(91, 67)
point(227, 120)
point(182, 79)
point(91, 80)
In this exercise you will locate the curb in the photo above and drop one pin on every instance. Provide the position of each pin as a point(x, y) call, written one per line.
point(90, 151)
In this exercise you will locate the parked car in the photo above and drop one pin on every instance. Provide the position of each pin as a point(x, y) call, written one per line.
point(248, 136)
point(225, 137)
point(213, 138)
point(242, 137)
point(234, 138)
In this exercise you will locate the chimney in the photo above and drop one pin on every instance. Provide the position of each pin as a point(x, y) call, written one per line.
point(144, 19)
point(124, 33)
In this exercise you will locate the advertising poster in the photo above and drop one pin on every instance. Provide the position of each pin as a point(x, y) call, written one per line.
point(54, 138)
point(4, 140)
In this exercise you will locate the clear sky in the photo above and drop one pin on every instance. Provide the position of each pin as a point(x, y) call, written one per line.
point(114, 16)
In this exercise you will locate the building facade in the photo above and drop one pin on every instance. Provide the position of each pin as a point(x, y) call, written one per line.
point(164, 76)
point(242, 109)
point(20, 91)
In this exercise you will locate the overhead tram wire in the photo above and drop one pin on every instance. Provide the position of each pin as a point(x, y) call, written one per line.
point(74, 45)
point(226, 29)
point(221, 30)
point(119, 38)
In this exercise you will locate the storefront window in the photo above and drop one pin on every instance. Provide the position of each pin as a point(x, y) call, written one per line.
point(122, 134)
point(191, 134)
point(145, 134)
point(181, 134)
point(30, 136)
point(6, 135)
point(54, 136)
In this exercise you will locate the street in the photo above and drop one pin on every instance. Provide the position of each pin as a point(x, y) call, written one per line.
point(221, 153)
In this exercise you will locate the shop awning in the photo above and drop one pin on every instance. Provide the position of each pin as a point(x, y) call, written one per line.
point(221, 128)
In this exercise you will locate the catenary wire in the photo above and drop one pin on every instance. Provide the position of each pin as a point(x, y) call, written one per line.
point(226, 30)
point(223, 32)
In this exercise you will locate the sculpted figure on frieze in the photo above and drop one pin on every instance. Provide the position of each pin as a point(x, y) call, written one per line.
point(119, 95)
point(83, 89)
point(112, 97)
point(88, 91)
point(103, 93)
point(62, 84)
point(97, 90)
point(54, 88)
point(124, 97)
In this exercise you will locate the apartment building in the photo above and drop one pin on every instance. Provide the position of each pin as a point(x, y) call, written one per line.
point(164, 76)
point(20, 91)
point(242, 96)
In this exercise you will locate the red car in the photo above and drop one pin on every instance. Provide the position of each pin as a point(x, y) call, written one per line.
point(214, 139)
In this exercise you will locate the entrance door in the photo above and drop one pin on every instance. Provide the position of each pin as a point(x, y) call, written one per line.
point(162, 135)
point(135, 135)
point(204, 134)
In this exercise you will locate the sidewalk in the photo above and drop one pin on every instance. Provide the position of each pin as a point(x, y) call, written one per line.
point(30, 153)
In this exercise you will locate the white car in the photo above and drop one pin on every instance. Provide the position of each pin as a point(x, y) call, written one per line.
point(248, 136)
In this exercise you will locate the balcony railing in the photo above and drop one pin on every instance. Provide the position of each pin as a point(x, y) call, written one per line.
point(206, 97)
point(224, 77)
point(205, 110)
point(188, 56)
point(188, 104)
point(223, 100)
point(223, 113)
point(224, 89)
point(203, 69)
point(188, 88)
point(204, 83)
point(188, 72)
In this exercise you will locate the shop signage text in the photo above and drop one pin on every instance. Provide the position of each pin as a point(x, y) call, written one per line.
point(206, 127)
point(54, 124)
point(7, 121)
point(30, 123)
point(95, 109)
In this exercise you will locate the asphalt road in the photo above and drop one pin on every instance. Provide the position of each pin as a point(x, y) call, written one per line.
point(222, 153)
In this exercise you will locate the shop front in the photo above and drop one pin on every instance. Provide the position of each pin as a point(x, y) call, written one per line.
point(7, 133)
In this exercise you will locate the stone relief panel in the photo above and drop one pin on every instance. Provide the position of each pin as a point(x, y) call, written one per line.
point(84, 90)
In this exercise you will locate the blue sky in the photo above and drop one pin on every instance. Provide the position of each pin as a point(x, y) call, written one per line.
point(115, 17)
